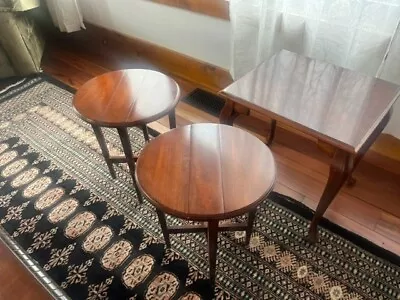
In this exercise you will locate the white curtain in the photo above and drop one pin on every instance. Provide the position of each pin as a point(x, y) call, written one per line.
point(361, 35)
point(66, 14)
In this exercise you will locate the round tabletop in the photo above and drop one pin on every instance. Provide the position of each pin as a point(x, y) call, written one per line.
point(206, 172)
point(126, 98)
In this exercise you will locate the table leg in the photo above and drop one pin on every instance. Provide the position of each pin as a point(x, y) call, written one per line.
point(104, 150)
point(272, 133)
point(368, 143)
point(145, 133)
point(250, 225)
point(228, 114)
point(164, 227)
point(338, 175)
point(172, 119)
point(212, 233)
point(351, 181)
point(126, 144)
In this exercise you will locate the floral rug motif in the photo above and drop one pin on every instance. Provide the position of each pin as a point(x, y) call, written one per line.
point(85, 235)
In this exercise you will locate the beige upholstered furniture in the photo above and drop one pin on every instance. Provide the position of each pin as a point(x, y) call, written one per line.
point(21, 46)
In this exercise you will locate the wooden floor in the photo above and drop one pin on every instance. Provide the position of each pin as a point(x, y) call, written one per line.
point(15, 281)
point(371, 208)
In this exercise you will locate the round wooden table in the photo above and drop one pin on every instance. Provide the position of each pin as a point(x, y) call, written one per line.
point(122, 99)
point(206, 172)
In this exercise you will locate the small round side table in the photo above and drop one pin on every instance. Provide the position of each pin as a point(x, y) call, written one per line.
point(209, 173)
point(123, 99)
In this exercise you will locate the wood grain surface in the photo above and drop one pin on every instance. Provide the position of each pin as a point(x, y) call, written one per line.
point(16, 282)
point(126, 98)
point(206, 171)
point(334, 104)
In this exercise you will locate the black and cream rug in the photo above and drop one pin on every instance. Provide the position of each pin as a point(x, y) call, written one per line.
point(85, 236)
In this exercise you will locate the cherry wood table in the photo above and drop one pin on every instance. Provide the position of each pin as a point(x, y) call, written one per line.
point(123, 99)
point(206, 172)
point(345, 110)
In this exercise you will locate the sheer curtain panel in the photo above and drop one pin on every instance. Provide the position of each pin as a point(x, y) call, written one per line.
point(66, 14)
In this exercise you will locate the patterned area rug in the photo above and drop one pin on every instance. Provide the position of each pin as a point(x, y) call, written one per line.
point(85, 236)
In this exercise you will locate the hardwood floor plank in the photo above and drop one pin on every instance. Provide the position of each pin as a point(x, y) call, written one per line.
point(157, 126)
point(16, 283)
point(65, 72)
point(353, 226)
point(194, 114)
point(314, 165)
point(299, 178)
point(388, 225)
point(352, 208)
point(388, 145)
point(359, 229)
point(284, 190)
point(80, 63)
point(374, 186)
point(377, 187)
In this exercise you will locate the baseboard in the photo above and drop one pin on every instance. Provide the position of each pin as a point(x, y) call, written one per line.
point(385, 153)
point(120, 51)
point(214, 8)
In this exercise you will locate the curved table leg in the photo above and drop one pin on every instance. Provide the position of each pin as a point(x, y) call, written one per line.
point(126, 144)
point(212, 234)
point(338, 174)
point(341, 169)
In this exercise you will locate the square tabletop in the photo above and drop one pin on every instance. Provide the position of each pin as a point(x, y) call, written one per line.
point(337, 105)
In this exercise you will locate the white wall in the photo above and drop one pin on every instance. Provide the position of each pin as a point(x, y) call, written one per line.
point(196, 35)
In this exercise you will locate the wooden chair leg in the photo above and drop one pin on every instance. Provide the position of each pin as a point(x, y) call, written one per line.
point(146, 133)
point(338, 175)
point(250, 225)
point(126, 144)
point(212, 233)
point(104, 150)
point(164, 227)
point(172, 119)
